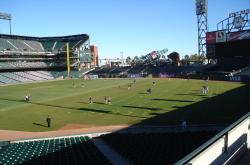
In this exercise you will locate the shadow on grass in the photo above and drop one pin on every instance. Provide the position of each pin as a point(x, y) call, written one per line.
point(143, 93)
point(39, 124)
point(221, 109)
point(73, 108)
point(158, 99)
point(99, 103)
point(224, 108)
point(108, 112)
point(189, 94)
point(145, 108)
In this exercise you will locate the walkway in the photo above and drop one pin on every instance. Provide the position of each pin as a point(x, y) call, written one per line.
point(7, 135)
point(113, 156)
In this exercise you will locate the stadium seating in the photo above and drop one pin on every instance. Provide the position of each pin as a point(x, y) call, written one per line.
point(16, 76)
point(47, 45)
point(23, 57)
point(4, 45)
point(68, 151)
point(156, 148)
point(44, 75)
point(8, 80)
point(5, 65)
point(35, 45)
point(19, 44)
point(59, 46)
point(146, 70)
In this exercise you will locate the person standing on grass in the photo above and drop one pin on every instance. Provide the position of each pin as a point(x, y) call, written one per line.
point(183, 124)
point(27, 98)
point(106, 100)
point(109, 100)
point(129, 86)
point(48, 120)
point(149, 91)
point(90, 100)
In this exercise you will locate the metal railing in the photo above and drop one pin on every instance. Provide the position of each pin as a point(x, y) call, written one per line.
point(219, 136)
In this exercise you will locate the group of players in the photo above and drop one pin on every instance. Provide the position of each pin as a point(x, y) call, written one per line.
point(107, 100)
point(205, 89)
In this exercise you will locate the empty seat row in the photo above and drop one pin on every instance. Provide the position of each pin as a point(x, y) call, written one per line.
point(68, 151)
point(156, 148)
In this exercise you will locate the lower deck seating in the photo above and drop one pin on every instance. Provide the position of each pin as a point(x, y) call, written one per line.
point(7, 80)
point(66, 151)
point(156, 148)
point(32, 76)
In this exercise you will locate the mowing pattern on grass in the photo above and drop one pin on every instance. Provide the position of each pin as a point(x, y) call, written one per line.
point(67, 101)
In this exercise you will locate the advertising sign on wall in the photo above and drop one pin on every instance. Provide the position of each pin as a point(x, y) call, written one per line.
point(221, 36)
point(211, 37)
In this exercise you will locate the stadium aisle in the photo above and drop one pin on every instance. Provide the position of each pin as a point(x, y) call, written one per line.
point(113, 156)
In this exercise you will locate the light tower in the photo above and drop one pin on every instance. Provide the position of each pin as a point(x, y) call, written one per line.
point(201, 12)
point(5, 16)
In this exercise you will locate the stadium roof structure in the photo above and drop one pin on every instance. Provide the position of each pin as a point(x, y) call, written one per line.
point(60, 38)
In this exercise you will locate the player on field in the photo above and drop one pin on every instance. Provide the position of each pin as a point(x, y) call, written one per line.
point(149, 91)
point(129, 86)
point(106, 99)
point(27, 98)
point(109, 100)
point(48, 120)
point(154, 83)
point(90, 100)
point(183, 124)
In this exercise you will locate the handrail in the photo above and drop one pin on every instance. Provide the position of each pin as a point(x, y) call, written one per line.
point(203, 147)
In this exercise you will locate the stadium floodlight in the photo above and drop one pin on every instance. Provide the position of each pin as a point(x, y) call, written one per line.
point(201, 12)
point(6, 16)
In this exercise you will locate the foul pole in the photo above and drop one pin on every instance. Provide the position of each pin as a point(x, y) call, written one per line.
point(68, 63)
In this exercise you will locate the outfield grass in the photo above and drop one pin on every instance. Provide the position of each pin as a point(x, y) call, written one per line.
point(170, 101)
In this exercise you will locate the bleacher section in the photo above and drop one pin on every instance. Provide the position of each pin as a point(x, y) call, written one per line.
point(156, 148)
point(33, 76)
point(4, 44)
point(57, 45)
point(228, 65)
point(7, 80)
point(20, 76)
point(66, 151)
point(244, 72)
point(28, 59)
point(146, 70)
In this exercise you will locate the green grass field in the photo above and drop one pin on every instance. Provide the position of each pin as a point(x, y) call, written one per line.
point(170, 102)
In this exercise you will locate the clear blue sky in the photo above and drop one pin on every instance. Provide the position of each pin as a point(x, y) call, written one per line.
point(134, 27)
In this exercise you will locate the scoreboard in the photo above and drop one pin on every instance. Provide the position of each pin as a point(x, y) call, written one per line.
point(222, 44)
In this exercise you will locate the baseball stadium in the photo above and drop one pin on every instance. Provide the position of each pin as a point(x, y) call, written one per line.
point(58, 105)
